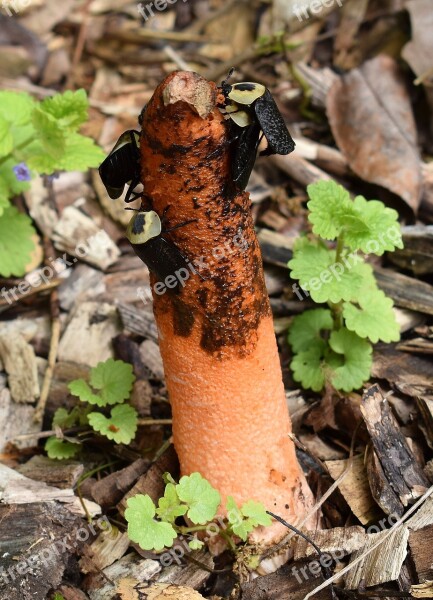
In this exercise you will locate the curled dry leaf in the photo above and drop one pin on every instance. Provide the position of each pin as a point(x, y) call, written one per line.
point(372, 121)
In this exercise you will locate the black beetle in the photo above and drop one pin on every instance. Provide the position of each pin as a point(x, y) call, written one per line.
point(162, 257)
point(252, 109)
point(122, 166)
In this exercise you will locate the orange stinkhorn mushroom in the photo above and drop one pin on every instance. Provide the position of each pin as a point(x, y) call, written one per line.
point(230, 418)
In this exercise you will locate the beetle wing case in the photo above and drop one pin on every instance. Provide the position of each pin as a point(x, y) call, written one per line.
point(121, 165)
point(244, 154)
point(163, 258)
point(273, 126)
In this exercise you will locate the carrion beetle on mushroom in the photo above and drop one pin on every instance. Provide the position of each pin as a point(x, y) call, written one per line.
point(252, 109)
point(162, 257)
point(122, 166)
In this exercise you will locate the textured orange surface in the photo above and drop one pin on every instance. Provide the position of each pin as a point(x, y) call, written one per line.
point(230, 420)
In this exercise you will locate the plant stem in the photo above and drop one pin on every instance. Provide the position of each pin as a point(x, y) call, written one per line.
point(186, 530)
point(337, 309)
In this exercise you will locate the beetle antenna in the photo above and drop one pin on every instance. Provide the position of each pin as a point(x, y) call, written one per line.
point(229, 74)
point(180, 225)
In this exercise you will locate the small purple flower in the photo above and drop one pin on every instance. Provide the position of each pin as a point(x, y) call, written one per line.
point(22, 172)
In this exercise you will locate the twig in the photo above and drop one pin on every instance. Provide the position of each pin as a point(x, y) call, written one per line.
point(81, 40)
point(55, 328)
point(52, 357)
point(41, 288)
point(350, 566)
point(176, 58)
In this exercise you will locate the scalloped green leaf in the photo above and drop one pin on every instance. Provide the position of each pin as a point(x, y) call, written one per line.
point(16, 107)
point(143, 529)
point(374, 318)
point(202, 499)
point(120, 427)
point(306, 329)
point(169, 506)
point(357, 355)
point(61, 449)
point(330, 204)
point(70, 108)
point(326, 280)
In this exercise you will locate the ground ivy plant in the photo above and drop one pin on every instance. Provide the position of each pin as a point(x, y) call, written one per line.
point(156, 527)
point(109, 386)
point(333, 344)
point(36, 138)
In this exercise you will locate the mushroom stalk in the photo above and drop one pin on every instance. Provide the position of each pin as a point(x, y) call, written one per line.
point(230, 418)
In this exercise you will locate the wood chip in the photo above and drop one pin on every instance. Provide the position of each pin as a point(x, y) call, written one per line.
point(344, 540)
point(78, 235)
point(151, 482)
point(19, 361)
point(291, 582)
point(17, 489)
point(130, 566)
point(109, 490)
point(420, 544)
point(355, 488)
point(404, 474)
point(151, 357)
point(88, 335)
point(32, 563)
point(59, 473)
point(104, 551)
point(383, 563)
point(422, 590)
point(16, 419)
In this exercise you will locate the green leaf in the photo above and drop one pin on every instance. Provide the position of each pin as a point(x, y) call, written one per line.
point(61, 449)
point(202, 499)
point(70, 108)
point(169, 506)
point(16, 107)
point(64, 419)
point(374, 319)
point(330, 205)
point(16, 242)
point(40, 160)
point(256, 513)
point(240, 526)
point(143, 529)
point(308, 367)
point(306, 328)
point(114, 379)
point(196, 544)
point(81, 388)
point(380, 232)
point(357, 355)
point(121, 427)
point(4, 194)
point(313, 264)
point(6, 138)
point(81, 153)
point(49, 132)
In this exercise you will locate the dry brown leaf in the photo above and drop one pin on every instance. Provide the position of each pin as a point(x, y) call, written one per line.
point(372, 121)
point(419, 51)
